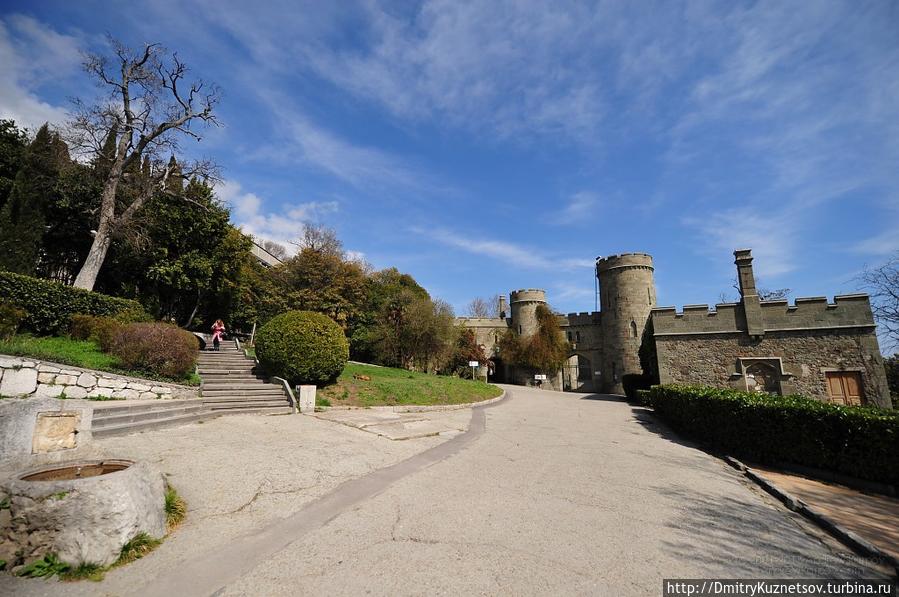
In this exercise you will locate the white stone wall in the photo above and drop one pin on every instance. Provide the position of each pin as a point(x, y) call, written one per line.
point(23, 377)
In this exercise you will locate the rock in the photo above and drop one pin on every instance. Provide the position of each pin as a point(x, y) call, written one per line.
point(19, 382)
point(88, 519)
point(161, 390)
point(148, 396)
point(75, 392)
point(29, 364)
point(111, 382)
point(48, 391)
point(86, 380)
point(100, 392)
point(138, 386)
point(43, 377)
point(66, 379)
point(47, 369)
point(126, 394)
point(6, 363)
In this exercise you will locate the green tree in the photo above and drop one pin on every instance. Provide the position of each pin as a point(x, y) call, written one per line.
point(182, 259)
point(23, 217)
point(13, 142)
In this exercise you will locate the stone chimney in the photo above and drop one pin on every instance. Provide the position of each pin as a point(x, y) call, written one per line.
point(749, 295)
point(502, 306)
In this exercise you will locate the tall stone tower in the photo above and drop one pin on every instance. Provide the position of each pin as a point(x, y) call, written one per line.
point(627, 295)
point(524, 309)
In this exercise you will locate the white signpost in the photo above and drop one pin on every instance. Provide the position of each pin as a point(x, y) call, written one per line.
point(473, 365)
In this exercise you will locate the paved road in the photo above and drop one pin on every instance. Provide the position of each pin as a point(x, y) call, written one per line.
point(546, 493)
point(561, 494)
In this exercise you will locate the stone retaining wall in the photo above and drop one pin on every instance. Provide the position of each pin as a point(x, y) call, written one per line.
point(24, 377)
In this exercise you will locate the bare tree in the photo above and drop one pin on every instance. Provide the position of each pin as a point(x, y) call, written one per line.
point(479, 307)
point(765, 294)
point(320, 239)
point(133, 133)
point(275, 249)
point(882, 283)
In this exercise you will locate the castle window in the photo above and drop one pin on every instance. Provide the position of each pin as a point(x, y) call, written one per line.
point(519, 329)
point(569, 336)
point(649, 295)
point(577, 336)
point(634, 328)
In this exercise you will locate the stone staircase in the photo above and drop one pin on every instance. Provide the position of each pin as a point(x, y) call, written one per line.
point(229, 386)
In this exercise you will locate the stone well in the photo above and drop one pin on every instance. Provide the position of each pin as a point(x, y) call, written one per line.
point(83, 511)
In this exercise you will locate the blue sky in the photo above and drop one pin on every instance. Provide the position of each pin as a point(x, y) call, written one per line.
point(489, 146)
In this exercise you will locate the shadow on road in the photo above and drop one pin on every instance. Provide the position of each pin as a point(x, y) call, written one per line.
point(604, 397)
point(744, 537)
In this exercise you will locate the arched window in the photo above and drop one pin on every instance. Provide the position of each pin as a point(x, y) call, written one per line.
point(649, 295)
point(634, 328)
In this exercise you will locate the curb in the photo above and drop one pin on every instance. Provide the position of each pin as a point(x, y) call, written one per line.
point(411, 408)
point(793, 503)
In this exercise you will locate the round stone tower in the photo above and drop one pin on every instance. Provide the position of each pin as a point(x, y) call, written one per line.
point(524, 309)
point(627, 295)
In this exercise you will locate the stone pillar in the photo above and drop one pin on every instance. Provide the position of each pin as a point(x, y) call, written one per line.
point(307, 399)
point(752, 308)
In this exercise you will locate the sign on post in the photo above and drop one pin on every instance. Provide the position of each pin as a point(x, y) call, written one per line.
point(474, 365)
point(539, 377)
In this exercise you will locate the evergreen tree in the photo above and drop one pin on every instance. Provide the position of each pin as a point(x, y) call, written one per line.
point(23, 216)
point(12, 148)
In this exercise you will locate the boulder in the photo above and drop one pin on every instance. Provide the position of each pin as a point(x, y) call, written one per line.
point(18, 382)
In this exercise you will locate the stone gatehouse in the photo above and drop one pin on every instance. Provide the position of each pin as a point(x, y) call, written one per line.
point(819, 349)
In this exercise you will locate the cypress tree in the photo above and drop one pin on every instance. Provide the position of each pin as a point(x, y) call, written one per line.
point(23, 218)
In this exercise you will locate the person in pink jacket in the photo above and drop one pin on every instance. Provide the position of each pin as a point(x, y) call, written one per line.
point(218, 328)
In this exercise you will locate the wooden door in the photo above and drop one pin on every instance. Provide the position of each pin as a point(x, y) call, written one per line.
point(845, 387)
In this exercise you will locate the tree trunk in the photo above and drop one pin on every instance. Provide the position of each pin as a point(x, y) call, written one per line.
point(87, 277)
point(196, 307)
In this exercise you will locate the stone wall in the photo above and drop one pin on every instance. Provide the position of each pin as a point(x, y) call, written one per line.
point(803, 356)
point(24, 377)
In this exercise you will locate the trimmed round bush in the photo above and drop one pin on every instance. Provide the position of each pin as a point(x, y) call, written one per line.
point(159, 348)
point(302, 347)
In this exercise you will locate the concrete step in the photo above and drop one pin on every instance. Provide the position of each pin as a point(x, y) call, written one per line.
point(239, 385)
point(134, 427)
point(282, 408)
point(113, 420)
point(244, 393)
point(244, 398)
point(242, 377)
point(118, 407)
point(225, 368)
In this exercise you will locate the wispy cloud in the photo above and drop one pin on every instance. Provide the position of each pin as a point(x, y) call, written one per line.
point(33, 54)
point(510, 253)
point(580, 209)
point(284, 227)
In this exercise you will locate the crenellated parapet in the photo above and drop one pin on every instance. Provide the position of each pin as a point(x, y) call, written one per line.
point(811, 313)
point(580, 319)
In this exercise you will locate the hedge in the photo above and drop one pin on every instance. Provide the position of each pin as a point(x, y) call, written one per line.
point(303, 347)
point(159, 348)
point(50, 305)
point(861, 442)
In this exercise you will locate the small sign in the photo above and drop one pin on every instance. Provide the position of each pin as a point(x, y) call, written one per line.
point(473, 364)
point(540, 377)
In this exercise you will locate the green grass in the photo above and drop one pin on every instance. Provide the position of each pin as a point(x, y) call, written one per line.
point(390, 386)
point(175, 508)
point(78, 353)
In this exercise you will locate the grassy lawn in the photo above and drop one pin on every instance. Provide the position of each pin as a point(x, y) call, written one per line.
point(79, 353)
point(398, 386)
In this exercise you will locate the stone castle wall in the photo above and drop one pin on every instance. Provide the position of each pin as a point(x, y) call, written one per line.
point(24, 377)
point(804, 357)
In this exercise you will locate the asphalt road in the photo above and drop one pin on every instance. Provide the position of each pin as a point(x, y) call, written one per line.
point(544, 494)
point(553, 494)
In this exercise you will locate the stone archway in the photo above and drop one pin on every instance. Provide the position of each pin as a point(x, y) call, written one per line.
point(577, 374)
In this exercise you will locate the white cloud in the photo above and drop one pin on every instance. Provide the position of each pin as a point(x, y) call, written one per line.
point(513, 254)
point(283, 227)
point(32, 54)
point(581, 209)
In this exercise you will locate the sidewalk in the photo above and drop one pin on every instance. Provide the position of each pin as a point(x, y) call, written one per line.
point(874, 518)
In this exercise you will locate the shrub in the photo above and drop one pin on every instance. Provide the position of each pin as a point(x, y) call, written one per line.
point(50, 305)
point(859, 441)
point(158, 348)
point(634, 382)
point(302, 347)
point(10, 318)
point(102, 330)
